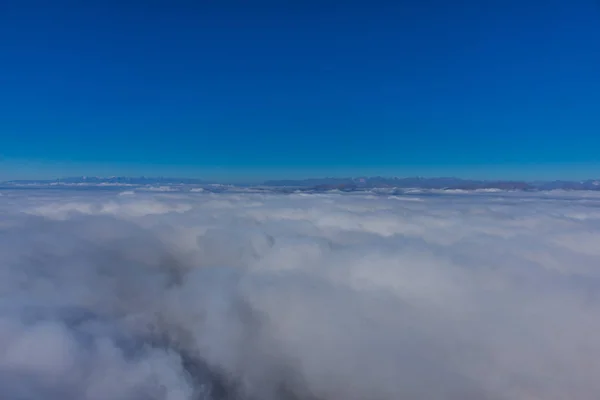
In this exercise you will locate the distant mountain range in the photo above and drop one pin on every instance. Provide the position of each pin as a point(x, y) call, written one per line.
point(325, 184)
point(116, 180)
point(433, 183)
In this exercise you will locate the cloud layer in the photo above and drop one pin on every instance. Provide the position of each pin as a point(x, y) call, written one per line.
point(185, 296)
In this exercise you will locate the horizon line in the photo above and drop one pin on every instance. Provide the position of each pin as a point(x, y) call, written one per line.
point(291, 179)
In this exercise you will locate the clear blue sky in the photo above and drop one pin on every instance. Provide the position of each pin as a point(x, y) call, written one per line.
point(257, 89)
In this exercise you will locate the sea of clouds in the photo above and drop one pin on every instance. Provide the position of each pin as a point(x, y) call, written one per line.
point(188, 296)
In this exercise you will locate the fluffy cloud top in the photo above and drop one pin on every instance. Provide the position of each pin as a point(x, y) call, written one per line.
point(179, 296)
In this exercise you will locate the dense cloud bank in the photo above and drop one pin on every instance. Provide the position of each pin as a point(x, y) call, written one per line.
point(137, 296)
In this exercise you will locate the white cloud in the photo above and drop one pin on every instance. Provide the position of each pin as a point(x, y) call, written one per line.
point(329, 296)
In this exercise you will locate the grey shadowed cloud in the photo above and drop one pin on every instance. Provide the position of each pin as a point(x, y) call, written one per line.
point(181, 296)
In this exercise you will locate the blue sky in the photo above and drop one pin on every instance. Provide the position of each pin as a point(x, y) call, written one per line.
point(255, 89)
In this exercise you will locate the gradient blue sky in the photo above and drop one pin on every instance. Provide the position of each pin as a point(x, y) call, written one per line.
point(255, 89)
